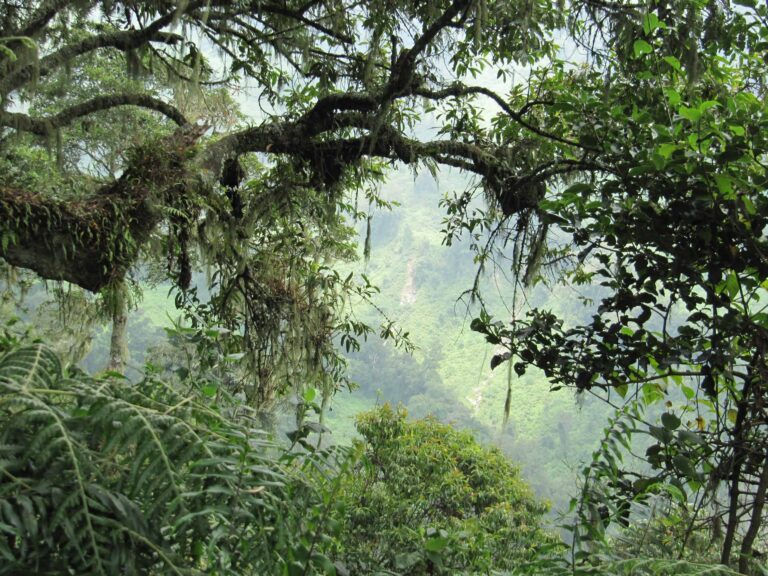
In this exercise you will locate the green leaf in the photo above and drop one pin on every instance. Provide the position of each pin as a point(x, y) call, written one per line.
point(645, 168)
point(641, 47)
point(675, 492)
point(661, 434)
point(673, 96)
point(689, 437)
point(578, 188)
point(436, 544)
point(684, 464)
point(552, 218)
point(730, 286)
point(670, 421)
point(217, 332)
point(651, 22)
point(675, 63)
point(692, 114)
point(707, 104)
point(666, 150)
point(737, 130)
point(725, 186)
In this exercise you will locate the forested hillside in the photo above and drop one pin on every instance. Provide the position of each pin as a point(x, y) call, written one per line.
point(336, 287)
point(449, 376)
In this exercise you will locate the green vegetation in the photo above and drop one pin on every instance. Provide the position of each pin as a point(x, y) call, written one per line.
point(101, 477)
point(426, 499)
point(449, 376)
point(602, 168)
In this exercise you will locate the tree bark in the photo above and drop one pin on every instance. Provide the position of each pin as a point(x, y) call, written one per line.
point(118, 345)
point(739, 454)
point(756, 520)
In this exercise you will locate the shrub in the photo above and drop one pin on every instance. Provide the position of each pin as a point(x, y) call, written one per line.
point(427, 499)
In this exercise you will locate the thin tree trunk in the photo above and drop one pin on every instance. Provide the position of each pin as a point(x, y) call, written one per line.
point(738, 458)
point(118, 346)
point(756, 519)
point(733, 509)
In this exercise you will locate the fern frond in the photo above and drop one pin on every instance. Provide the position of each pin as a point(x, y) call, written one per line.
point(31, 366)
point(102, 477)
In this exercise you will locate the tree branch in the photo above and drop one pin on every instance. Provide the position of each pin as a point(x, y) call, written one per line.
point(124, 40)
point(320, 116)
point(403, 69)
point(94, 241)
point(43, 126)
point(457, 90)
point(321, 138)
point(299, 15)
point(44, 14)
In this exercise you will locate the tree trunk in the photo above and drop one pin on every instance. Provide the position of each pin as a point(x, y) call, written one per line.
point(756, 519)
point(118, 346)
point(739, 453)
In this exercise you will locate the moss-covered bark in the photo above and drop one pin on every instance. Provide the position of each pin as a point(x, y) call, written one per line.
point(93, 241)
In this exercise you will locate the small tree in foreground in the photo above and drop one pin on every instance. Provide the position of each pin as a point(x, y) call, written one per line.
point(427, 499)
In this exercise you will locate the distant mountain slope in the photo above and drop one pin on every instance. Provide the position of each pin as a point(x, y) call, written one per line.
point(449, 375)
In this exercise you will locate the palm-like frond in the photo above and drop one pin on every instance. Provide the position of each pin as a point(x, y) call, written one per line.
point(105, 477)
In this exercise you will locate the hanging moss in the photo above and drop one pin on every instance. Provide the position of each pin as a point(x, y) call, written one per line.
point(535, 255)
point(59, 150)
point(367, 245)
point(133, 65)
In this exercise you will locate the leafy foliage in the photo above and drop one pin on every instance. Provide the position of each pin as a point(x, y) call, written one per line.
point(102, 477)
point(631, 567)
point(426, 499)
point(669, 219)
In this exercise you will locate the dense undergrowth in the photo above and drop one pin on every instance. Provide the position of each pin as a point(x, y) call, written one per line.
point(103, 476)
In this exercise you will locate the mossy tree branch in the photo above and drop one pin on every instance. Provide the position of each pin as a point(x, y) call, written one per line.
point(344, 125)
point(43, 126)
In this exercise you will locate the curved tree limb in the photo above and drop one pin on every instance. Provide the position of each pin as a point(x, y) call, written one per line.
point(75, 249)
point(124, 40)
point(43, 126)
point(462, 90)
